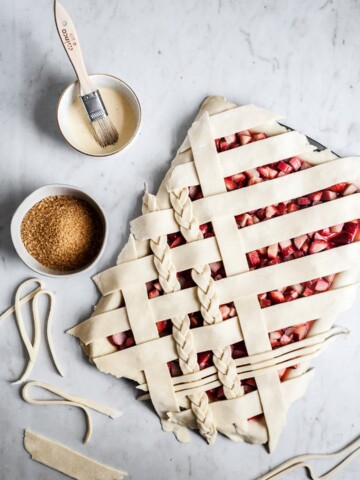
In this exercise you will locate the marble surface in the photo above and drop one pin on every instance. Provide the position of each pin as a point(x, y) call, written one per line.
point(297, 58)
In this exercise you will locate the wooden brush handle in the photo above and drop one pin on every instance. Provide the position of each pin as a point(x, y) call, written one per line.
point(69, 39)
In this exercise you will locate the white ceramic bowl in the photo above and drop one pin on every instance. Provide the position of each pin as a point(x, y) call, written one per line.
point(72, 91)
point(29, 202)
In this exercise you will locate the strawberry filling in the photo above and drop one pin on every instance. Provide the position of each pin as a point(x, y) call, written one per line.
point(297, 247)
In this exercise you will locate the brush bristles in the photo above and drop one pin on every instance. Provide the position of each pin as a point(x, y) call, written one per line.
point(104, 132)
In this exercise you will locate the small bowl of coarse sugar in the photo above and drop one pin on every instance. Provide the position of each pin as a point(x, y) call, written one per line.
point(59, 230)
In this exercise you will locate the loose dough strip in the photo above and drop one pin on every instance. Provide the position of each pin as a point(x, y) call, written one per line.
point(67, 461)
point(352, 451)
point(69, 399)
point(33, 348)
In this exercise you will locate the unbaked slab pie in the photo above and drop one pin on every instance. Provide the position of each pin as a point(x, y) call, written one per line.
point(232, 277)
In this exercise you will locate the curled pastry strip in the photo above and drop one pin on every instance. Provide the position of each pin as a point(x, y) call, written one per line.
point(33, 347)
point(351, 451)
point(49, 324)
point(25, 299)
point(72, 400)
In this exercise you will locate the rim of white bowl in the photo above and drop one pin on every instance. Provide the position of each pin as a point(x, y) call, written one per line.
point(123, 147)
point(31, 200)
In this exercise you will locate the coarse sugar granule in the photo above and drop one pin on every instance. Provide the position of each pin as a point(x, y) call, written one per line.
point(62, 232)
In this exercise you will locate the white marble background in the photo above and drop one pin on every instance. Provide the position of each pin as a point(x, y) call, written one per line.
point(299, 58)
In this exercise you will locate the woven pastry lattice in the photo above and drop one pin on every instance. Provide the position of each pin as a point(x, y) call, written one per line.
point(232, 277)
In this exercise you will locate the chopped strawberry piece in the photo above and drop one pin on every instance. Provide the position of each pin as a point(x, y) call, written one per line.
point(300, 331)
point(342, 238)
point(163, 326)
point(338, 188)
point(287, 247)
point(204, 228)
point(225, 311)
point(315, 197)
point(230, 185)
point(153, 293)
point(175, 239)
point(300, 240)
point(295, 163)
point(277, 296)
point(270, 211)
point(204, 359)
point(215, 266)
point(285, 340)
point(259, 136)
point(281, 373)
point(307, 292)
point(284, 167)
point(174, 367)
point(329, 195)
point(265, 302)
point(239, 178)
point(321, 285)
point(351, 228)
point(223, 146)
point(264, 172)
point(350, 189)
point(275, 338)
point(303, 201)
point(130, 341)
point(245, 139)
point(273, 250)
point(254, 258)
point(231, 139)
point(118, 339)
point(292, 207)
point(317, 246)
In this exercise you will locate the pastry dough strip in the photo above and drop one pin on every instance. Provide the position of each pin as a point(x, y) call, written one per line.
point(298, 184)
point(252, 238)
point(71, 400)
point(67, 461)
point(251, 323)
point(244, 158)
point(323, 303)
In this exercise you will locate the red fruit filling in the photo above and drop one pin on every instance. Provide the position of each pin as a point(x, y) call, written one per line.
point(297, 247)
point(302, 246)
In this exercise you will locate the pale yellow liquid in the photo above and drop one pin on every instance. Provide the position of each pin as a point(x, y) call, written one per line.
point(120, 113)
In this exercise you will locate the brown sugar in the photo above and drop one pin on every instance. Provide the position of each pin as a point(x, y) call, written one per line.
point(62, 232)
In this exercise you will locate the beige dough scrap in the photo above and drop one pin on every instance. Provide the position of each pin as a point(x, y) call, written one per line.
point(71, 400)
point(67, 461)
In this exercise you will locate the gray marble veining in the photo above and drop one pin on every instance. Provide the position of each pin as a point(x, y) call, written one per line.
point(297, 58)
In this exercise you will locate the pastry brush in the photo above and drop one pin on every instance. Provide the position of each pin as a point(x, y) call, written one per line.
point(104, 130)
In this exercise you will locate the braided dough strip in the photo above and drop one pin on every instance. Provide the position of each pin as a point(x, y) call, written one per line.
point(71, 400)
point(67, 461)
point(292, 354)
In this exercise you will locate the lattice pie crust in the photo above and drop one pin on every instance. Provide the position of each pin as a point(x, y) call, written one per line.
point(259, 361)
